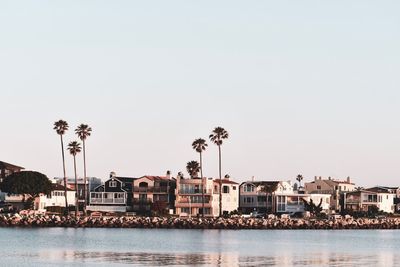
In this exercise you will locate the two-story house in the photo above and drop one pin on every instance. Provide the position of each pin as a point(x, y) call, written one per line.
point(154, 194)
point(114, 196)
point(336, 188)
point(189, 196)
point(276, 197)
point(56, 198)
point(363, 200)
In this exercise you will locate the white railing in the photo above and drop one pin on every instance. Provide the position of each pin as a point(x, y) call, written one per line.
point(107, 208)
point(110, 199)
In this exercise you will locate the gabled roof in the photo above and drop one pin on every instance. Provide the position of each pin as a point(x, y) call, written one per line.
point(125, 179)
point(5, 165)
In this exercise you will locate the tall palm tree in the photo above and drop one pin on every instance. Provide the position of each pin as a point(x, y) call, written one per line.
point(193, 168)
point(200, 145)
point(269, 188)
point(74, 148)
point(83, 131)
point(61, 127)
point(217, 136)
point(299, 178)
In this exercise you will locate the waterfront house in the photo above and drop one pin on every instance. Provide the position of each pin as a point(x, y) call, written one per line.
point(331, 186)
point(56, 199)
point(115, 195)
point(154, 194)
point(91, 184)
point(7, 169)
point(364, 200)
point(230, 195)
point(276, 197)
point(189, 197)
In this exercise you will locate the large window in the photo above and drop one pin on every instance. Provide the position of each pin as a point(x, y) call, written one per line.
point(249, 188)
point(113, 183)
point(225, 189)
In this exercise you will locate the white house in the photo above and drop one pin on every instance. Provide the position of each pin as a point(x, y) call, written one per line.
point(55, 199)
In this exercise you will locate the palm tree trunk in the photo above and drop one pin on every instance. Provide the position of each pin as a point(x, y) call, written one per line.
point(65, 175)
point(220, 182)
point(76, 190)
point(84, 177)
point(202, 181)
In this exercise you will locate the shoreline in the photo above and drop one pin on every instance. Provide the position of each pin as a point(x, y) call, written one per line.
point(237, 223)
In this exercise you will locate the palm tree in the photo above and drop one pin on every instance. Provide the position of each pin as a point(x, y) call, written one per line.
point(217, 136)
point(269, 188)
point(200, 145)
point(74, 148)
point(61, 127)
point(193, 168)
point(299, 178)
point(83, 131)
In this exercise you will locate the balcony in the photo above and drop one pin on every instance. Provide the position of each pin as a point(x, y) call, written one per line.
point(108, 198)
point(194, 192)
point(163, 189)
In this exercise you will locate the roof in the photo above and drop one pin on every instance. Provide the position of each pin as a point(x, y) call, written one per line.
point(225, 181)
point(58, 187)
point(5, 165)
point(157, 178)
point(125, 179)
point(258, 183)
point(378, 189)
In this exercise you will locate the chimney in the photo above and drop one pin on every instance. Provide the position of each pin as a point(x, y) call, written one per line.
point(252, 179)
point(348, 179)
point(329, 178)
point(315, 178)
point(168, 175)
point(320, 178)
point(112, 175)
point(227, 177)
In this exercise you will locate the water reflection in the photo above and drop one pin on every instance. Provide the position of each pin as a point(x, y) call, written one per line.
point(213, 259)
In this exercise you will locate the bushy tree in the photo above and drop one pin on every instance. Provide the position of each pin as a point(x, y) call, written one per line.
point(27, 182)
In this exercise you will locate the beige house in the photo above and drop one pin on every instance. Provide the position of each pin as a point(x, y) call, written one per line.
point(189, 196)
point(154, 193)
point(330, 186)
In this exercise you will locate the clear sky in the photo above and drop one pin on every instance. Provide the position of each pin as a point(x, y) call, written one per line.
point(310, 87)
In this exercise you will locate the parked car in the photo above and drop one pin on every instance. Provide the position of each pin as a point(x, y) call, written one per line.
point(6, 208)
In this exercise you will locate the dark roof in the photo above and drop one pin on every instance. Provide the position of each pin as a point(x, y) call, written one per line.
point(378, 189)
point(125, 179)
point(5, 165)
point(257, 183)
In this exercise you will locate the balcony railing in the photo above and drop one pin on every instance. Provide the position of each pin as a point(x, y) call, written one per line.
point(194, 191)
point(162, 189)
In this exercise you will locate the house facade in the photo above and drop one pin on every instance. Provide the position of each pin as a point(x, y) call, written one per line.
point(255, 197)
point(91, 184)
point(189, 199)
point(230, 196)
point(55, 199)
point(6, 169)
point(114, 196)
point(334, 187)
point(154, 194)
point(364, 200)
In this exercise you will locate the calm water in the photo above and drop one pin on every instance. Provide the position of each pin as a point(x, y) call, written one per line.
point(139, 247)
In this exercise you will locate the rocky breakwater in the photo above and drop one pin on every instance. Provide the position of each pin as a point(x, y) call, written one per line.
point(237, 223)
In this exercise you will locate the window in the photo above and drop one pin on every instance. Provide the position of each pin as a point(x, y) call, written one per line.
point(225, 189)
point(113, 183)
point(233, 187)
point(318, 187)
point(248, 188)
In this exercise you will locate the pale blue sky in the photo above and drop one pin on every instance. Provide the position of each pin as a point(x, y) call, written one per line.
point(308, 87)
